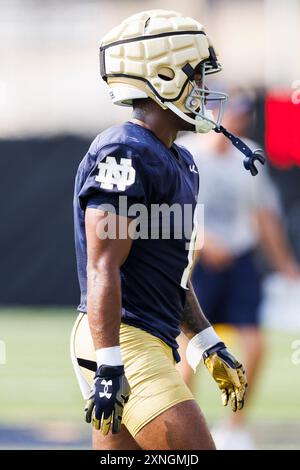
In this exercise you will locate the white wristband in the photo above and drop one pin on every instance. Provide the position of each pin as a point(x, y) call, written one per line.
point(200, 343)
point(109, 356)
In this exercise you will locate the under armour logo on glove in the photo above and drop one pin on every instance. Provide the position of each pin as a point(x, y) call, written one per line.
point(105, 404)
point(105, 392)
point(113, 173)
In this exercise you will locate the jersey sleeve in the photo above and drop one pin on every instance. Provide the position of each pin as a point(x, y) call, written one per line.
point(116, 180)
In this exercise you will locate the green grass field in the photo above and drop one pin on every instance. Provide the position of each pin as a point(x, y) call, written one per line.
point(38, 388)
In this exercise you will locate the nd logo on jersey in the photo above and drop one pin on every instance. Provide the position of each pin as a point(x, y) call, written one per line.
point(111, 172)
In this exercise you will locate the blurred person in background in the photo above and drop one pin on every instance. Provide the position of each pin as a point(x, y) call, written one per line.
point(241, 213)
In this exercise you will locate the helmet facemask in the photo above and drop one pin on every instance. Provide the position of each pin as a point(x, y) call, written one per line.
point(201, 106)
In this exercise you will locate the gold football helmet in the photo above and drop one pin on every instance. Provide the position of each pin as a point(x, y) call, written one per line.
point(165, 56)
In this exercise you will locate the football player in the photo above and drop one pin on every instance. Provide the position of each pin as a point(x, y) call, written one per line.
point(135, 290)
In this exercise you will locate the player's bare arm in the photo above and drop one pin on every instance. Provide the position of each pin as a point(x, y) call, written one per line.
point(205, 343)
point(193, 319)
point(104, 259)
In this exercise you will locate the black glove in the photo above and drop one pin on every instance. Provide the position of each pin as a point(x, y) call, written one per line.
point(105, 404)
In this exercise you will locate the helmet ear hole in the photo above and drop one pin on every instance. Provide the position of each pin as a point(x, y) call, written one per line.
point(166, 73)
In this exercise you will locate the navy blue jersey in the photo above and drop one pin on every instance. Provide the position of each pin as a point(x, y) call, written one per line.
point(129, 160)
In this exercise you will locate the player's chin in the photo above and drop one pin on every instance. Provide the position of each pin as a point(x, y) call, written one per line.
point(187, 126)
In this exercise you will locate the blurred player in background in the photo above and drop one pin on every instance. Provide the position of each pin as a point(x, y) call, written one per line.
point(241, 213)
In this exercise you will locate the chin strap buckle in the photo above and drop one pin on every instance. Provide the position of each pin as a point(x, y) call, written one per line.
point(250, 156)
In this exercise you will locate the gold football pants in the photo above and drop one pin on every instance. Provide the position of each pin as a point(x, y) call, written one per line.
point(150, 369)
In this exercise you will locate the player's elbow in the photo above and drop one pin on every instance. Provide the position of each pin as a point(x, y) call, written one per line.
point(102, 269)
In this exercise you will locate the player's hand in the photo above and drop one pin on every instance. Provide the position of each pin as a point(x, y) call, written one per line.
point(229, 375)
point(104, 407)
